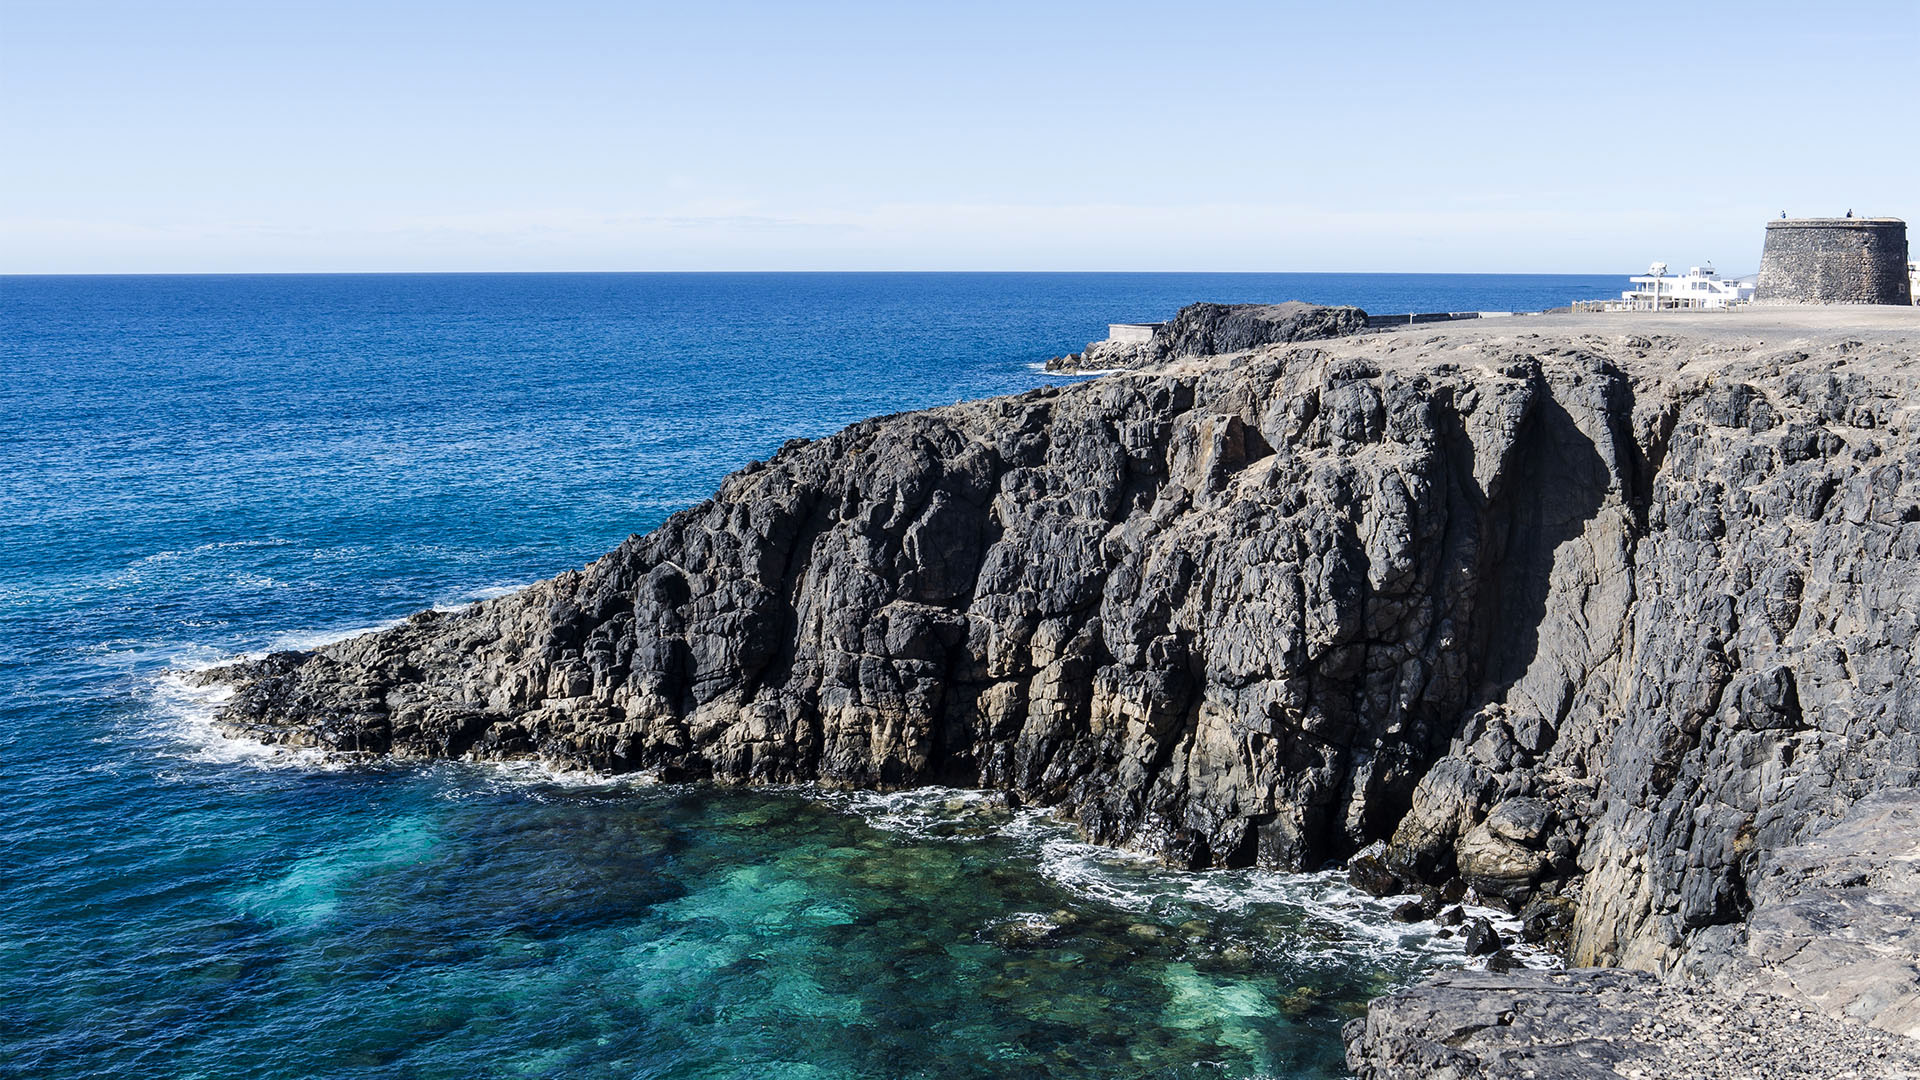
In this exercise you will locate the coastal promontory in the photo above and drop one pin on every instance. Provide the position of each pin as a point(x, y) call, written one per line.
point(1610, 619)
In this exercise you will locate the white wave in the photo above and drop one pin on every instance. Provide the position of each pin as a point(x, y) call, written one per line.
point(460, 601)
point(1088, 373)
point(928, 813)
point(528, 772)
point(201, 549)
point(307, 639)
point(183, 713)
point(183, 721)
point(1138, 884)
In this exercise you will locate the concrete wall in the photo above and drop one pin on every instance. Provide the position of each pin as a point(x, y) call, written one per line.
point(1420, 317)
point(1132, 333)
point(1835, 261)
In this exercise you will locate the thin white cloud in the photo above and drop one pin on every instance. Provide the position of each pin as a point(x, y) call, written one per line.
point(899, 235)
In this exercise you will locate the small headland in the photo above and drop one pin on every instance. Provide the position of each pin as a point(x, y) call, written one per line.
point(1207, 329)
point(1606, 619)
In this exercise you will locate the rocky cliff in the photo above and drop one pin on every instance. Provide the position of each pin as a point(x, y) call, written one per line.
point(1606, 617)
point(1215, 330)
point(1821, 980)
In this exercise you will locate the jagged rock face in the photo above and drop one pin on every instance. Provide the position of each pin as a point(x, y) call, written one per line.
point(1217, 329)
point(1764, 677)
point(1612, 618)
point(1835, 921)
point(1223, 616)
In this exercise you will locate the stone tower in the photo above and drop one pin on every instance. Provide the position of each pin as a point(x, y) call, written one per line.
point(1834, 261)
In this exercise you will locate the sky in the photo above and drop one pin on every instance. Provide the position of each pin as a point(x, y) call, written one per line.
point(403, 135)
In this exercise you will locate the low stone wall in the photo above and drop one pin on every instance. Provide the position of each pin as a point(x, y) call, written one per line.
point(1132, 333)
point(1835, 261)
point(1375, 322)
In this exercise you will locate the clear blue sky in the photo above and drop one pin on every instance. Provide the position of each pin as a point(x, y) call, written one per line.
point(285, 135)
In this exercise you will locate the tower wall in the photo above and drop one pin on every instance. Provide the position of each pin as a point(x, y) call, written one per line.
point(1835, 261)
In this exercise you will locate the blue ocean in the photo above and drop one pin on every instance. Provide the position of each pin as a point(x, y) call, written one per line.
point(193, 468)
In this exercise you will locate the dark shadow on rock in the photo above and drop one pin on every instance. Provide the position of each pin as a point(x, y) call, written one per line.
point(1559, 485)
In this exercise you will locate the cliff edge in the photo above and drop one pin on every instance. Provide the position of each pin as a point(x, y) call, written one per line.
point(1610, 617)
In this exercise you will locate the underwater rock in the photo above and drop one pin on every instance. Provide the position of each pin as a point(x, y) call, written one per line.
point(1026, 932)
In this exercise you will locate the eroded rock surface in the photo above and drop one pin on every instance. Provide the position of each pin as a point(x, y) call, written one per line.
point(1835, 920)
point(1601, 622)
point(1608, 1025)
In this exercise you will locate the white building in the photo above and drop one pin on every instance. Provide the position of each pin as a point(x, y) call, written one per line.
point(1699, 287)
point(1913, 279)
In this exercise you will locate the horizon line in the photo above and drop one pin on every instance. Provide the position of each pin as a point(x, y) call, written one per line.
point(584, 273)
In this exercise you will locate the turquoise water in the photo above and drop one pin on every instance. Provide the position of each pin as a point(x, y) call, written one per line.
point(197, 467)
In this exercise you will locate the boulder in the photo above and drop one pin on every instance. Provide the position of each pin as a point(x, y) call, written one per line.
point(1522, 821)
point(1368, 871)
point(1480, 938)
point(1497, 866)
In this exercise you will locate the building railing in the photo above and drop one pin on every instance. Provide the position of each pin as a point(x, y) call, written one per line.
point(1665, 303)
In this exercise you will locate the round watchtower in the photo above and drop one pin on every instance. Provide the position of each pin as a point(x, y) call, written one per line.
point(1834, 261)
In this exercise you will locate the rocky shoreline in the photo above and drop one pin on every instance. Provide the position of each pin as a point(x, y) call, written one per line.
point(1608, 619)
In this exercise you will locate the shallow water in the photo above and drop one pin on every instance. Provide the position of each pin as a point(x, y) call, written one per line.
point(192, 468)
point(461, 920)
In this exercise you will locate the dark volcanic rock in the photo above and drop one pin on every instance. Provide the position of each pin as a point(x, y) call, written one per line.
point(1218, 329)
point(1614, 619)
point(1214, 329)
point(1412, 911)
point(1368, 871)
point(1835, 920)
point(1480, 938)
point(1546, 921)
point(1448, 590)
point(1521, 821)
point(1221, 616)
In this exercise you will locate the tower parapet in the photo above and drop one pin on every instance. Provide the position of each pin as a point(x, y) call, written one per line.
point(1835, 261)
